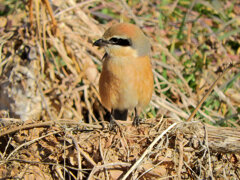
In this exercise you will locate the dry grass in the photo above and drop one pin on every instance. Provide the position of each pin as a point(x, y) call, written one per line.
point(53, 123)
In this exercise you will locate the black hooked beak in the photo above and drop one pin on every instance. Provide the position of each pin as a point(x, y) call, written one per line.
point(101, 42)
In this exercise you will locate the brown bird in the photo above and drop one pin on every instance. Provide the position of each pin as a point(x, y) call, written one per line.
point(126, 81)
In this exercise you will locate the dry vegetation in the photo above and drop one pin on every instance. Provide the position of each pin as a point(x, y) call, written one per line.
point(52, 122)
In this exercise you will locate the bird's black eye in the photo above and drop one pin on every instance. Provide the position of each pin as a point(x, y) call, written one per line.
point(120, 41)
point(114, 40)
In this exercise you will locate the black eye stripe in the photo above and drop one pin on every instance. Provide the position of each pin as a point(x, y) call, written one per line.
point(120, 41)
point(114, 40)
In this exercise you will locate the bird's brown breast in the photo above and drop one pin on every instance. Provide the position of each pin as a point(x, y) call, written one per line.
point(126, 82)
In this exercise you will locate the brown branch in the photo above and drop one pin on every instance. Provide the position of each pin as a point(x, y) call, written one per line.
point(30, 4)
point(220, 139)
point(54, 22)
point(48, 123)
point(49, 9)
point(208, 92)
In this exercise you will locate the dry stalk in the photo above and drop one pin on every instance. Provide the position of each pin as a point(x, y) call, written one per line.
point(79, 174)
point(220, 139)
point(180, 164)
point(45, 163)
point(209, 91)
point(148, 150)
point(103, 158)
point(48, 123)
point(97, 168)
point(87, 156)
point(28, 143)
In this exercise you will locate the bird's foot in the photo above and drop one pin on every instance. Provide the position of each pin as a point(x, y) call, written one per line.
point(113, 125)
point(136, 121)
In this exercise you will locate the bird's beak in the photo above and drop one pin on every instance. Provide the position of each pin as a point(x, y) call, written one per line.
point(100, 42)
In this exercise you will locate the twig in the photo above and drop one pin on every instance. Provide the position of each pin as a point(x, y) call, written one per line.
point(28, 143)
point(192, 170)
point(44, 102)
point(6, 148)
point(150, 169)
point(48, 123)
point(97, 168)
point(46, 163)
point(209, 155)
point(30, 4)
point(147, 151)
point(78, 5)
point(209, 91)
point(79, 174)
point(54, 22)
point(103, 158)
point(86, 155)
point(183, 114)
point(180, 164)
point(129, 10)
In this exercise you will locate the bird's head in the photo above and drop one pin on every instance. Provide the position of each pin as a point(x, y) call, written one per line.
point(124, 39)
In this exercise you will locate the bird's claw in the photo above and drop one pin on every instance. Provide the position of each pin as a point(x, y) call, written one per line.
point(136, 121)
point(113, 125)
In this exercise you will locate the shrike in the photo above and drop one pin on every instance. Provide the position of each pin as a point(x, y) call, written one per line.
point(126, 81)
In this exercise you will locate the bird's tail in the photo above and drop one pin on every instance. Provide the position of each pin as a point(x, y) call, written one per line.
point(120, 114)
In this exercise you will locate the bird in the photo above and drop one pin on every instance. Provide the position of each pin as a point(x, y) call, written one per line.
point(126, 81)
